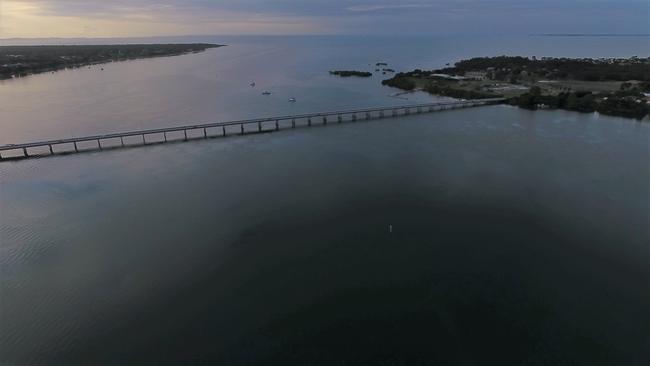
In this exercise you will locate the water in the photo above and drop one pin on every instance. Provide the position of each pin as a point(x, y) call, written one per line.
point(518, 237)
point(214, 85)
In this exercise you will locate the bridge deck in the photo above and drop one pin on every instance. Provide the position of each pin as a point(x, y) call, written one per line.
point(367, 113)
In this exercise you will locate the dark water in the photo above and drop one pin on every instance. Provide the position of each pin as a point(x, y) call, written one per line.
point(518, 238)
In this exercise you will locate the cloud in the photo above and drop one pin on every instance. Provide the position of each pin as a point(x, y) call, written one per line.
point(121, 18)
point(72, 18)
point(367, 8)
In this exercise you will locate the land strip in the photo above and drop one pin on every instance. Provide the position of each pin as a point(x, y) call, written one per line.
point(619, 87)
point(19, 61)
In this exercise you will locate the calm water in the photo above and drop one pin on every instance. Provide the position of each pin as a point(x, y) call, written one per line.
point(519, 238)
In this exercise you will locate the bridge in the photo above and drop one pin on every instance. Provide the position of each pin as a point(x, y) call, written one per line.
point(220, 129)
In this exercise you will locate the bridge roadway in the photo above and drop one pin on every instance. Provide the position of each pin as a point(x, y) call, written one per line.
point(27, 150)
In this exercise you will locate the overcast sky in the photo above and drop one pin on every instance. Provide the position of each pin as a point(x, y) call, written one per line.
point(123, 18)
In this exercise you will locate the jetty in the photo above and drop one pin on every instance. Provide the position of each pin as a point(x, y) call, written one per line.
point(221, 129)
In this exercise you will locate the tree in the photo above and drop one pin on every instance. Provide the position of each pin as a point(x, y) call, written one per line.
point(535, 91)
point(572, 102)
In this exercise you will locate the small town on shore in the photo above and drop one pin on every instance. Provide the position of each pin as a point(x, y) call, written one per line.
point(612, 86)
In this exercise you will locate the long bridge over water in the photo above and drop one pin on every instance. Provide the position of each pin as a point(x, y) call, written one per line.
point(220, 129)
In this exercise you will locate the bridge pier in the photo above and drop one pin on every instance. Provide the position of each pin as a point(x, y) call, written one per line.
point(353, 115)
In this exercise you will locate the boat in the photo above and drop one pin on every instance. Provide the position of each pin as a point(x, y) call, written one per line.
point(252, 84)
point(266, 92)
point(292, 99)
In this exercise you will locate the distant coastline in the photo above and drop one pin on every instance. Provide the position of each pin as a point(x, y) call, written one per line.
point(588, 35)
point(20, 61)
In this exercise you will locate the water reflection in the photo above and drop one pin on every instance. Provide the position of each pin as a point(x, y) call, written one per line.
point(276, 247)
point(517, 235)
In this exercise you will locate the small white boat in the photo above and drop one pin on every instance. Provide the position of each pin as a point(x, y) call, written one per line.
point(292, 99)
point(266, 92)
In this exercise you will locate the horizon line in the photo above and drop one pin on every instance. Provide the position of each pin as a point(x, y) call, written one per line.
point(338, 35)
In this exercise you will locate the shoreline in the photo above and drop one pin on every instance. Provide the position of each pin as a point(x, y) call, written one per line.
point(21, 61)
point(615, 87)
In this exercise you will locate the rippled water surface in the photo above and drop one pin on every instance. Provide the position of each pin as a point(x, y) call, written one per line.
point(518, 237)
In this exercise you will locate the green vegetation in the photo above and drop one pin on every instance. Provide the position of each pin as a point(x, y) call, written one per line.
point(16, 61)
point(642, 87)
point(587, 69)
point(411, 80)
point(348, 73)
point(458, 93)
point(608, 86)
point(629, 104)
point(399, 81)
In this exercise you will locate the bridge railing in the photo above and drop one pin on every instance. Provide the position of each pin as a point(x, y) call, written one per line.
point(405, 109)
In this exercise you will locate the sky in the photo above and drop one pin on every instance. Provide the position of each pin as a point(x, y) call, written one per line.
point(141, 18)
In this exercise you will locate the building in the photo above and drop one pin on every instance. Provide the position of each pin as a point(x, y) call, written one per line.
point(476, 75)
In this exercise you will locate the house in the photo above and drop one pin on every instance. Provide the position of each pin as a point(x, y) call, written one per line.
point(476, 75)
